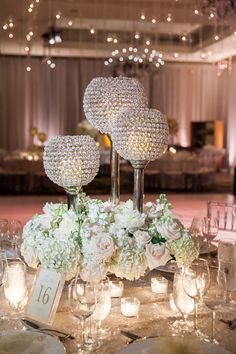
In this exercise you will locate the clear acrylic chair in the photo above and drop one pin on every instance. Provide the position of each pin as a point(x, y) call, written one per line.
point(225, 214)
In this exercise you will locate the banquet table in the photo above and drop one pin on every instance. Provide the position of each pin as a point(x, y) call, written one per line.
point(155, 318)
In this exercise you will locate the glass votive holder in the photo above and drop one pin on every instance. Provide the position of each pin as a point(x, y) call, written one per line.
point(116, 288)
point(172, 303)
point(130, 306)
point(15, 288)
point(159, 285)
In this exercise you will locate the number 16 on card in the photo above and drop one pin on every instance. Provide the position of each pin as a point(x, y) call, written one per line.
point(45, 296)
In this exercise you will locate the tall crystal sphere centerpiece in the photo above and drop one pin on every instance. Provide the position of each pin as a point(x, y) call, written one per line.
point(104, 99)
point(140, 135)
point(71, 162)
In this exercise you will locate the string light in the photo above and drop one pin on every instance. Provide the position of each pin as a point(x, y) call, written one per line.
point(28, 37)
point(169, 17)
point(31, 33)
point(70, 23)
point(11, 24)
point(154, 20)
point(148, 42)
point(58, 16)
point(184, 38)
point(196, 12)
point(137, 35)
point(5, 27)
point(10, 35)
point(216, 37)
point(28, 68)
point(109, 39)
point(31, 6)
point(92, 30)
point(30, 9)
point(115, 40)
point(176, 55)
point(27, 49)
point(142, 16)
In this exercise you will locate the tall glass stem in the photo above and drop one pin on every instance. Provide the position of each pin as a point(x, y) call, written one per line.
point(71, 200)
point(82, 322)
point(138, 188)
point(115, 176)
point(195, 314)
point(213, 326)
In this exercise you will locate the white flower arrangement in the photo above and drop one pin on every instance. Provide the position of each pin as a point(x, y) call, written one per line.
point(99, 237)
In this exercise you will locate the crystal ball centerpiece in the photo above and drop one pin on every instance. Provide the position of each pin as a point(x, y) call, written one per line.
point(71, 161)
point(105, 97)
point(140, 134)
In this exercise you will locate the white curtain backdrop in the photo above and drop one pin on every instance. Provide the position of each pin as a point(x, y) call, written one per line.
point(52, 100)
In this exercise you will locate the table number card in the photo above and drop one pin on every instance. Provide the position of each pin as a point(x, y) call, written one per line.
point(45, 296)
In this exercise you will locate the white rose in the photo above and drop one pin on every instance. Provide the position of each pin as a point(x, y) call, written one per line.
point(102, 245)
point(128, 218)
point(142, 237)
point(157, 255)
point(170, 230)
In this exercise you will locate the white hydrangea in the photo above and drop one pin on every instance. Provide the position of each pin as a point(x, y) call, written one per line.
point(99, 237)
point(128, 218)
point(185, 249)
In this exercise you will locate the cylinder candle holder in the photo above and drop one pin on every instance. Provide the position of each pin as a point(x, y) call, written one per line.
point(71, 162)
point(15, 286)
point(104, 99)
point(140, 135)
point(159, 285)
point(130, 306)
point(116, 288)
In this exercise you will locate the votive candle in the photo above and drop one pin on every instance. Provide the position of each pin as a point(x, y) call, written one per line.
point(116, 288)
point(159, 285)
point(15, 287)
point(130, 306)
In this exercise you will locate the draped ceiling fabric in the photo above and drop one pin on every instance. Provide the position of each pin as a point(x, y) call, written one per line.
point(52, 99)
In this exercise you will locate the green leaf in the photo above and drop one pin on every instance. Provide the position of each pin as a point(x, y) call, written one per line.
point(158, 240)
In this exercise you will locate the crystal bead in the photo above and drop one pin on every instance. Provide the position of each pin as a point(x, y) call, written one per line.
point(140, 134)
point(71, 161)
point(105, 97)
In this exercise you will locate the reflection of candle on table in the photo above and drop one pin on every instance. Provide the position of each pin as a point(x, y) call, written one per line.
point(15, 287)
point(116, 288)
point(159, 285)
point(130, 306)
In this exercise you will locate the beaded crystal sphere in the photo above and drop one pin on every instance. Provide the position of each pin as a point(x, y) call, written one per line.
point(71, 161)
point(105, 97)
point(140, 134)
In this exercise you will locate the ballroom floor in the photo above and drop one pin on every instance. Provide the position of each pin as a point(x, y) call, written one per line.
point(185, 206)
